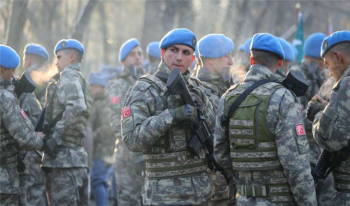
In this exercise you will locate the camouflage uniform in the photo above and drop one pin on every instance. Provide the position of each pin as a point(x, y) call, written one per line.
point(32, 179)
point(270, 161)
point(152, 67)
point(66, 178)
point(173, 175)
point(11, 119)
point(215, 87)
point(280, 74)
point(129, 179)
point(331, 130)
point(324, 189)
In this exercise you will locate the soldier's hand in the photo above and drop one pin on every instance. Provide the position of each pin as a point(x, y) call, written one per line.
point(50, 147)
point(312, 109)
point(185, 112)
point(40, 134)
point(319, 99)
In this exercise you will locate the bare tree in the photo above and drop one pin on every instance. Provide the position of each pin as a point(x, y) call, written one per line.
point(152, 29)
point(16, 25)
point(83, 19)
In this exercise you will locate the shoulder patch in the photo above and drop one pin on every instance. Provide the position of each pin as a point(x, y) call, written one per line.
point(23, 113)
point(300, 130)
point(125, 112)
point(115, 100)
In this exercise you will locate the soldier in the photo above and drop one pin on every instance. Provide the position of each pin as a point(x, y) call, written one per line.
point(282, 71)
point(215, 53)
point(129, 166)
point(331, 127)
point(153, 52)
point(34, 59)
point(68, 107)
point(265, 146)
point(32, 180)
point(103, 140)
point(152, 123)
point(15, 128)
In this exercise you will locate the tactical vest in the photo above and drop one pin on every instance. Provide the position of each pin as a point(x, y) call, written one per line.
point(168, 157)
point(8, 151)
point(252, 145)
point(73, 138)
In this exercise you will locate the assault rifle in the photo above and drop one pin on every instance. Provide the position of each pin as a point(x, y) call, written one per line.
point(201, 132)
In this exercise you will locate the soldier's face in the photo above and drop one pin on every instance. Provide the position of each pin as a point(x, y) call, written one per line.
point(63, 59)
point(135, 57)
point(333, 61)
point(222, 62)
point(7, 74)
point(178, 56)
point(95, 89)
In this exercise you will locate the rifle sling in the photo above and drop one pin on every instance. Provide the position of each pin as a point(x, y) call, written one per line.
point(162, 76)
point(342, 156)
point(225, 120)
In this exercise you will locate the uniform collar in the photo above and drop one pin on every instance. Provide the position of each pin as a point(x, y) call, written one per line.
point(259, 72)
point(75, 67)
point(205, 75)
point(345, 74)
point(165, 69)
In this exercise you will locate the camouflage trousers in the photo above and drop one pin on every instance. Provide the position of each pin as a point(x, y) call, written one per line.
point(325, 191)
point(66, 186)
point(129, 182)
point(9, 199)
point(341, 199)
point(259, 201)
point(220, 189)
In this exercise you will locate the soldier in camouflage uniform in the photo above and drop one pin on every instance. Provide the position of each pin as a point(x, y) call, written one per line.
point(128, 165)
point(264, 141)
point(152, 123)
point(331, 127)
point(215, 53)
point(103, 140)
point(15, 128)
point(311, 69)
point(68, 107)
point(153, 52)
point(32, 179)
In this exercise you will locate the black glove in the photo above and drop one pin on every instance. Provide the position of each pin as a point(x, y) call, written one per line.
point(50, 147)
point(185, 112)
point(312, 109)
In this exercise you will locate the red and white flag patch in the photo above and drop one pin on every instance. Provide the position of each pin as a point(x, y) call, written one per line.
point(115, 100)
point(125, 112)
point(300, 129)
point(24, 115)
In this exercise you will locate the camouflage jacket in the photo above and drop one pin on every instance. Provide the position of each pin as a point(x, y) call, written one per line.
point(214, 85)
point(152, 67)
point(280, 74)
point(331, 127)
point(147, 124)
point(103, 139)
point(15, 128)
point(283, 117)
point(67, 95)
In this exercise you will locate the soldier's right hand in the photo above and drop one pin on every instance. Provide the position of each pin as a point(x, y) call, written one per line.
point(185, 112)
point(50, 147)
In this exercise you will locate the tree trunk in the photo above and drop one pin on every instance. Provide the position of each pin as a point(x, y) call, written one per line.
point(82, 20)
point(152, 30)
point(106, 48)
point(16, 25)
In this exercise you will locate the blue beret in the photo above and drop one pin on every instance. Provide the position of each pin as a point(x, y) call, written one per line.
point(8, 57)
point(98, 79)
point(247, 45)
point(36, 49)
point(69, 44)
point(126, 48)
point(215, 46)
point(312, 46)
point(334, 39)
point(287, 49)
point(154, 50)
point(267, 42)
point(242, 47)
point(295, 50)
point(179, 36)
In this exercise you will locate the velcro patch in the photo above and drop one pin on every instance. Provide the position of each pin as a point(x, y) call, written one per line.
point(299, 128)
point(115, 100)
point(125, 112)
point(24, 115)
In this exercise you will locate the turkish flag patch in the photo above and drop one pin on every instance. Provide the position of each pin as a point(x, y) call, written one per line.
point(300, 129)
point(115, 100)
point(24, 115)
point(125, 112)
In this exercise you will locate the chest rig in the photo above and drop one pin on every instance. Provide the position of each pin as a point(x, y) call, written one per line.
point(168, 157)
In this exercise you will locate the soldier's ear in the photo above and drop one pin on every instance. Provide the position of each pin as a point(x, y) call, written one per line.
point(279, 63)
point(162, 52)
point(252, 61)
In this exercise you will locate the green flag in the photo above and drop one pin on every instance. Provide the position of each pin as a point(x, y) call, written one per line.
point(298, 40)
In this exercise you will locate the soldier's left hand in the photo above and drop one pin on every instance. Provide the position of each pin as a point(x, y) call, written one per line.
point(320, 99)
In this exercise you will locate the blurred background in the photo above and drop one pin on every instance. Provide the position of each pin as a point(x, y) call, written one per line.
point(103, 25)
